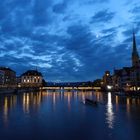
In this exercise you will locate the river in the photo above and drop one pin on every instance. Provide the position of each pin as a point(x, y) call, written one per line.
point(63, 116)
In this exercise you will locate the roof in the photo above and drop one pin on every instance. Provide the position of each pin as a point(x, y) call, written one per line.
point(128, 69)
point(32, 73)
point(6, 69)
point(119, 72)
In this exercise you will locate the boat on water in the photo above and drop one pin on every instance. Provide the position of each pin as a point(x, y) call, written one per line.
point(90, 102)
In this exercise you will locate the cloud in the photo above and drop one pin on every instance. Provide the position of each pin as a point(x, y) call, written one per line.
point(96, 1)
point(60, 7)
point(135, 10)
point(22, 16)
point(135, 17)
point(56, 37)
point(103, 16)
point(41, 12)
point(109, 30)
point(93, 53)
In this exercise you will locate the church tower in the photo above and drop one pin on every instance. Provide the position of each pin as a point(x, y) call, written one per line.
point(135, 55)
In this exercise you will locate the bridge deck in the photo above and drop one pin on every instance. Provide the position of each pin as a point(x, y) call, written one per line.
point(71, 88)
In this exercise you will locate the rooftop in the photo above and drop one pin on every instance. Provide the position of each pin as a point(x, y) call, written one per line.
point(6, 69)
point(32, 73)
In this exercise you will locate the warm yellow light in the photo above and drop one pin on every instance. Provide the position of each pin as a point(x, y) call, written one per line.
point(19, 85)
point(107, 74)
point(117, 100)
point(109, 87)
point(127, 84)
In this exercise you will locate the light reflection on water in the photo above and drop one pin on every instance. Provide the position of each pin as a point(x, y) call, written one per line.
point(64, 104)
point(109, 113)
point(5, 113)
point(26, 101)
point(128, 105)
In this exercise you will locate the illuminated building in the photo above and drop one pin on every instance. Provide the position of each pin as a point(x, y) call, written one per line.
point(128, 78)
point(107, 80)
point(135, 74)
point(122, 78)
point(31, 78)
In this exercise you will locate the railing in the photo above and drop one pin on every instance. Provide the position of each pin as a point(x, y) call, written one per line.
point(71, 88)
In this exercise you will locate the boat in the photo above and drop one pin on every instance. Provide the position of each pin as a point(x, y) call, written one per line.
point(90, 102)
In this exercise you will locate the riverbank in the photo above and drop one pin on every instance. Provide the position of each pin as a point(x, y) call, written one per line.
point(18, 90)
point(128, 94)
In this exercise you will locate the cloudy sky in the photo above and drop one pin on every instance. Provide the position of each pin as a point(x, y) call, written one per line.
point(68, 40)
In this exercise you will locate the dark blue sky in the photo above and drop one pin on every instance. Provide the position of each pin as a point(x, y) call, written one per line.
point(68, 40)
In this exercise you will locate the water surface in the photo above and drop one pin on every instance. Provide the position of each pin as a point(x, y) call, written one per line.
point(64, 116)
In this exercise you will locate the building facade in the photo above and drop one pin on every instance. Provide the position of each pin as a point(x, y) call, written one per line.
point(31, 78)
point(1, 78)
point(128, 78)
point(9, 76)
point(107, 80)
point(122, 79)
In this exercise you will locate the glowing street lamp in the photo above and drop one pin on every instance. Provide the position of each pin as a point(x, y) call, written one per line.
point(109, 87)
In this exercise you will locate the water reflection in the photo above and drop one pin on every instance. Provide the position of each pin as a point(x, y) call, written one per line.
point(83, 96)
point(26, 103)
point(5, 113)
point(54, 99)
point(75, 94)
point(117, 100)
point(69, 100)
point(128, 105)
point(109, 113)
point(29, 102)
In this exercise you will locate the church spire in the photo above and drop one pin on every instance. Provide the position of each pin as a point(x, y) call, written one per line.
point(135, 55)
point(134, 44)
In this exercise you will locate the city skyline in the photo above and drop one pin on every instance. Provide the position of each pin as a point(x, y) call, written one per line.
point(65, 40)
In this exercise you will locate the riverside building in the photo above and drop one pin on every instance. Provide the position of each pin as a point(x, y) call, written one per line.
point(8, 77)
point(128, 78)
point(31, 78)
